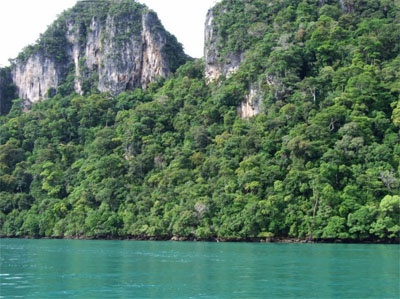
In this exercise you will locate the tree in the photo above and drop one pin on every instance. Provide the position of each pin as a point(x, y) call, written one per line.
point(387, 224)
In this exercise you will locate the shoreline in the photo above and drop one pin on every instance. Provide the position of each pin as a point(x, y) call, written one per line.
point(279, 240)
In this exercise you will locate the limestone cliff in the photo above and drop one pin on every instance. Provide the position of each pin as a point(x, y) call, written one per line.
point(109, 46)
point(35, 77)
point(219, 60)
point(224, 53)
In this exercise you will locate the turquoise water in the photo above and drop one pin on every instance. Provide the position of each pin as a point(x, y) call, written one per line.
point(133, 269)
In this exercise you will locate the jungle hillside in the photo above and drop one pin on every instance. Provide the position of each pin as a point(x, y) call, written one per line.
point(319, 161)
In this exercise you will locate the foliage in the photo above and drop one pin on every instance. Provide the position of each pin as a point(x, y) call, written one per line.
point(7, 90)
point(320, 161)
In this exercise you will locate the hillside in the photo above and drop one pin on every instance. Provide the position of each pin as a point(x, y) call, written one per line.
point(288, 128)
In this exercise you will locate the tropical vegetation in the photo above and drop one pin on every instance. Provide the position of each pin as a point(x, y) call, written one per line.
point(320, 161)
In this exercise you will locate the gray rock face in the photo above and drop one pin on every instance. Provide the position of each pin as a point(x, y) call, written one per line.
point(251, 105)
point(217, 64)
point(35, 77)
point(225, 64)
point(111, 51)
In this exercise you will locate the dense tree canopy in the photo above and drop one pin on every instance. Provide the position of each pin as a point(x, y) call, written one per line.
point(320, 161)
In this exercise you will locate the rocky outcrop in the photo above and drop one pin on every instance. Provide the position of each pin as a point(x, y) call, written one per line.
point(35, 77)
point(251, 105)
point(120, 45)
point(223, 56)
point(217, 63)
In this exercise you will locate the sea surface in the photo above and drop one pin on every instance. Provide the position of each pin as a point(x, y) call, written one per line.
point(146, 269)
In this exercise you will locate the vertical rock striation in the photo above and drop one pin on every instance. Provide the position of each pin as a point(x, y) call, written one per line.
point(222, 60)
point(109, 46)
point(35, 77)
point(219, 61)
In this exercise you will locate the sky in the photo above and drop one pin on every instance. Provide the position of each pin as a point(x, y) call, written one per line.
point(22, 22)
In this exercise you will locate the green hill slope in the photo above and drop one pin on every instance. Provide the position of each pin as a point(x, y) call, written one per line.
point(319, 161)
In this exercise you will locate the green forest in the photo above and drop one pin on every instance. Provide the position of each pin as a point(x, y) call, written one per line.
point(320, 161)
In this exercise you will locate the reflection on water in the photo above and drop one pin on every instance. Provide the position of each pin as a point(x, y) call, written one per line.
point(130, 269)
